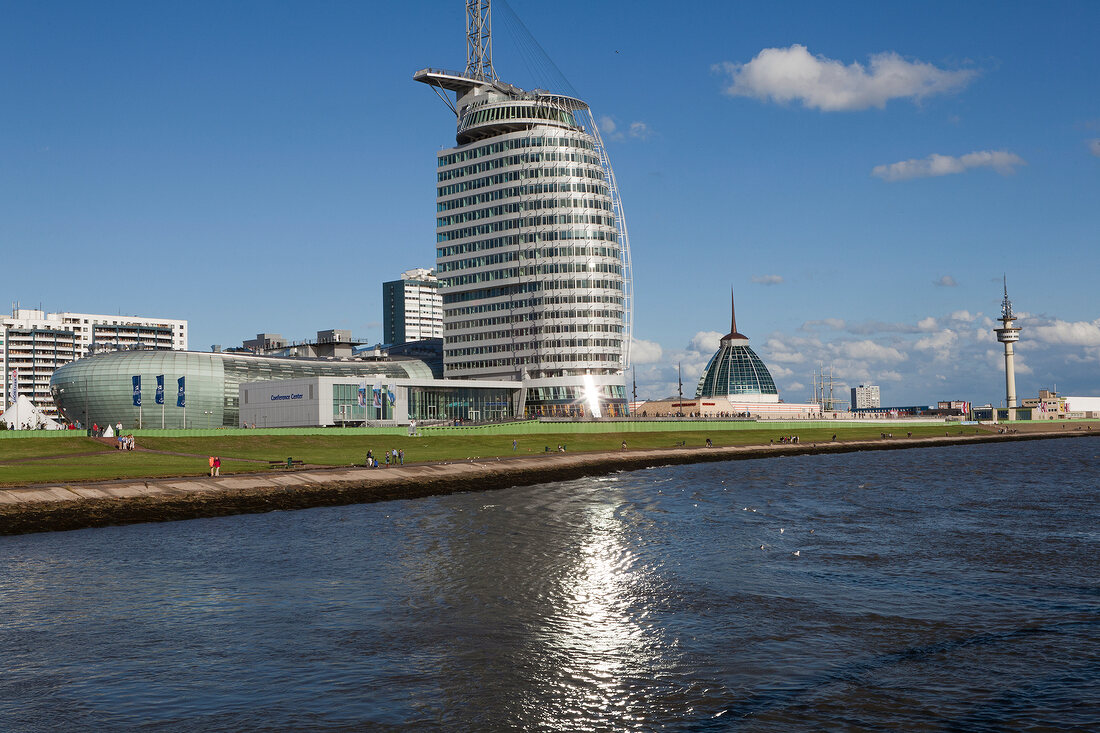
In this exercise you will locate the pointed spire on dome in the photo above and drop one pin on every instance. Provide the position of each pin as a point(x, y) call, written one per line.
point(733, 334)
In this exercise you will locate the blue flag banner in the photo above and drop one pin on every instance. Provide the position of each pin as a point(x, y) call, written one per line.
point(137, 391)
point(180, 400)
point(160, 390)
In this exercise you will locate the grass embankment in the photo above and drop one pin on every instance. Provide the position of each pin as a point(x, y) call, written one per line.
point(30, 461)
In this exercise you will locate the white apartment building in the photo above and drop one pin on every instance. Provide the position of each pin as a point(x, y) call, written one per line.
point(412, 307)
point(865, 397)
point(34, 343)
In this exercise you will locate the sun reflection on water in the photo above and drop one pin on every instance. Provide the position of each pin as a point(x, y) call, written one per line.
point(597, 635)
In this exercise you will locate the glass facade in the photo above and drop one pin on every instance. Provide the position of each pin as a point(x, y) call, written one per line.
point(346, 408)
point(527, 232)
point(735, 370)
point(460, 403)
point(571, 401)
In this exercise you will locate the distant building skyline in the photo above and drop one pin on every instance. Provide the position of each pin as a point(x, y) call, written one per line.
point(35, 343)
point(301, 159)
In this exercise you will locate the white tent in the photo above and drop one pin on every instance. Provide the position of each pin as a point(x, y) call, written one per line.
point(23, 415)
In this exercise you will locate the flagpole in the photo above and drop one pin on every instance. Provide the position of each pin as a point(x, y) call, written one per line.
point(635, 401)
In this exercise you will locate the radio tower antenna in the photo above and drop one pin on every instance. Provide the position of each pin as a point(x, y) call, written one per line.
point(479, 40)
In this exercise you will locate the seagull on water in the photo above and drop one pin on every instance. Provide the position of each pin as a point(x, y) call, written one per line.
point(797, 553)
point(780, 530)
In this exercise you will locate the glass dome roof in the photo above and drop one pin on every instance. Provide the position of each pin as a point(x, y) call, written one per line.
point(735, 370)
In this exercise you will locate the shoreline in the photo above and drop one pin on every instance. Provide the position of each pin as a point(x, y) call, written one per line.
point(83, 505)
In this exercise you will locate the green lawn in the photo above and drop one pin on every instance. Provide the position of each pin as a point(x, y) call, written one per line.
point(33, 447)
point(114, 465)
point(343, 450)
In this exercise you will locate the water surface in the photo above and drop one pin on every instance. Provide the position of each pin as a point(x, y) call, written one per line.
point(949, 588)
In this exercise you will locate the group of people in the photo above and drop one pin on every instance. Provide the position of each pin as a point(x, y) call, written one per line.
point(126, 442)
point(215, 465)
point(395, 457)
point(787, 439)
point(100, 432)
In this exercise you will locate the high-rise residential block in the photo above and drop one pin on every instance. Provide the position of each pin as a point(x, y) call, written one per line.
point(412, 307)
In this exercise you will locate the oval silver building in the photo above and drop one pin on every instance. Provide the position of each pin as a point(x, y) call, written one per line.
point(99, 389)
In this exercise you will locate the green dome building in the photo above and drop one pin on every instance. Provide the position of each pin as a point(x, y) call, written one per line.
point(736, 373)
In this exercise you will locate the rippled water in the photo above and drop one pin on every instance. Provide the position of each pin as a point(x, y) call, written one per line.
point(933, 589)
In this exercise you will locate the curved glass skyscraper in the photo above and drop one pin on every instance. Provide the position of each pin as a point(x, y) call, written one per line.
point(530, 242)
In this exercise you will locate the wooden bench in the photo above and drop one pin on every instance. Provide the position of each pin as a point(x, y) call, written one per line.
point(285, 464)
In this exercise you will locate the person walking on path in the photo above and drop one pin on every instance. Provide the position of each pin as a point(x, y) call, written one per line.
point(401, 456)
point(514, 445)
point(217, 465)
point(211, 466)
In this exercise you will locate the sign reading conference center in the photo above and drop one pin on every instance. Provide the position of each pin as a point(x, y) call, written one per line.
point(291, 396)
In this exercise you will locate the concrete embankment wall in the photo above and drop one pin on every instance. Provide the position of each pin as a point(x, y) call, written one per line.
point(63, 506)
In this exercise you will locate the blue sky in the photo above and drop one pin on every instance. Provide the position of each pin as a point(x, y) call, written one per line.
point(862, 174)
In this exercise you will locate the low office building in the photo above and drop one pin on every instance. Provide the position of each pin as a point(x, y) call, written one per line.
point(375, 400)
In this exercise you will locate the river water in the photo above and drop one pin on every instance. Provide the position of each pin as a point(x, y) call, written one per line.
point(950, 588)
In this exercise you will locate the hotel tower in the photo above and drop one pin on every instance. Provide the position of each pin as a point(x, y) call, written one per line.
point(531, 245)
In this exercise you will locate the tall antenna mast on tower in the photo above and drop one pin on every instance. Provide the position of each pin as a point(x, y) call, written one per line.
point(479, 40)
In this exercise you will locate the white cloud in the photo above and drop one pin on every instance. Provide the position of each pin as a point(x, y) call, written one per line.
point(791, 353)
point(786, 74)
point(870, 351)
point(833, 324)
point(927, 324)
point(645, 352)
point(946, 282)
point(1080, 333)
point(705, 342)
point(768, 279)
point(962, 316)
point(1094, 146)
point(610, 129)
point(1001, 161)
point(940, 344)
point(780, 372)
